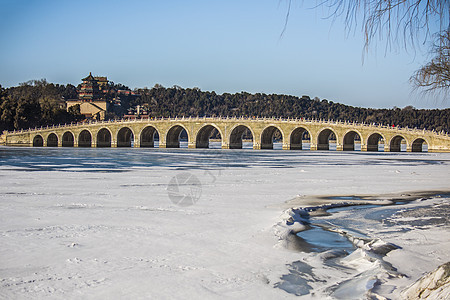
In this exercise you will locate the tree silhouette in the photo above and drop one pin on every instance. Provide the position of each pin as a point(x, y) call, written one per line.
point(401, 22)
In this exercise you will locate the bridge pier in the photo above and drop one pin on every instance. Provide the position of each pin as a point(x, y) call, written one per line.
point(287, 146)
point(342, 148)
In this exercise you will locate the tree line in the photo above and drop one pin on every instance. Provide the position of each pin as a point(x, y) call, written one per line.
point(176, 101)
point(40, 103)
point(36, 103)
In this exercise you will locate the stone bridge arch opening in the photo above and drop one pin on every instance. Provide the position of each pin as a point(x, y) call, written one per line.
point(85, 139)
point(177, 137)
point(326, 140)
point(68, 139)
point(103, 138)
point(241, 138)
point(352, 141)
point(125, 137)
point(52, 140)
point(208, 137)
point(38, 141)
point(271, 138)
point(375, 142)
point(300, 139)
point(419, 145)
point(397, 144)
point(148, 137)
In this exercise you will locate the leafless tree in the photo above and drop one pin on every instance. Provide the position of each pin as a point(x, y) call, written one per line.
point(405, 23)
point(396, 21)
point(434, 77)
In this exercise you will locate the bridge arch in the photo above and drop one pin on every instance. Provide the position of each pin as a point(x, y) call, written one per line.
point(349, 140)
point(147, 136)
point(204, 134)
point(373, 141)
point(52, 140)
point(297, 136)
point(237, 134)
point(268, 134)
point(173, 136)
point(323, 138)
point(68, 139)
point(418, 145)
point(85, 138)
point(104, 137)
point(395, 144)
point(38, 141)
point(125, 137)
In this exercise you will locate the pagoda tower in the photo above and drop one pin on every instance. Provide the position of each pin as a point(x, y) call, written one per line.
point(90, 90)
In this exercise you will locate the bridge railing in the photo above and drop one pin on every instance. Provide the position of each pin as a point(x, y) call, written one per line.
point(234, 118)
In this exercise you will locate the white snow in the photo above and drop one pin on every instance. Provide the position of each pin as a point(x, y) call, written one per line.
point(86, 234)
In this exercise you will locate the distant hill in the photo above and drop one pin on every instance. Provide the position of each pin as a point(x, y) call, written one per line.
point(39, 103)
point(177, 101)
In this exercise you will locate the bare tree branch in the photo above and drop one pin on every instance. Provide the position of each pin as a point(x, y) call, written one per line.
point(434, 77)
point(286, 19)
point(400, 22)
point(395, 21)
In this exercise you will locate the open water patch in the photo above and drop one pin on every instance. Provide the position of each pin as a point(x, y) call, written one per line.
point(343, 243)
point(318, 239)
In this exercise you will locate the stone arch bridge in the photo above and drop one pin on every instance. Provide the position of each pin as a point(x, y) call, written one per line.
point(292, 134)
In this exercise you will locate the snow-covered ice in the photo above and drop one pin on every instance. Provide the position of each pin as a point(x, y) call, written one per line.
point(99, 223)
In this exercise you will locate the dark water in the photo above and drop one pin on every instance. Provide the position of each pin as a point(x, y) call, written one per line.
point(318, 239)
point(330, 236)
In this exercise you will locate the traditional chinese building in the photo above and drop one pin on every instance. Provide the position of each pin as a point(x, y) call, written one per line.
point(89, 90)
point(102, 81)
point(90, 98)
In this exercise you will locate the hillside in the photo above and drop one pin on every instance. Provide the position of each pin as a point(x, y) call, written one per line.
point(177, 101)
point(39, 103)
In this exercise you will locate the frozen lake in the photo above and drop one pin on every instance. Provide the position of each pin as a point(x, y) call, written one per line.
point(212, 223)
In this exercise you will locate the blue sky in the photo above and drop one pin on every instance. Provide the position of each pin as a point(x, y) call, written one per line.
point(222, 46)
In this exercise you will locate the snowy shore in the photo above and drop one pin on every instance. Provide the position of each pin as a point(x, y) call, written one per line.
point(72, 231)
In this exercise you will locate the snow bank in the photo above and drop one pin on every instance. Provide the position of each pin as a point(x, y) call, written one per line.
point(434, 285)
point(113, 232)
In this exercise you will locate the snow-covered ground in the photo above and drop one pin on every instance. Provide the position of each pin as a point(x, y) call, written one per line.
point(155, 223)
